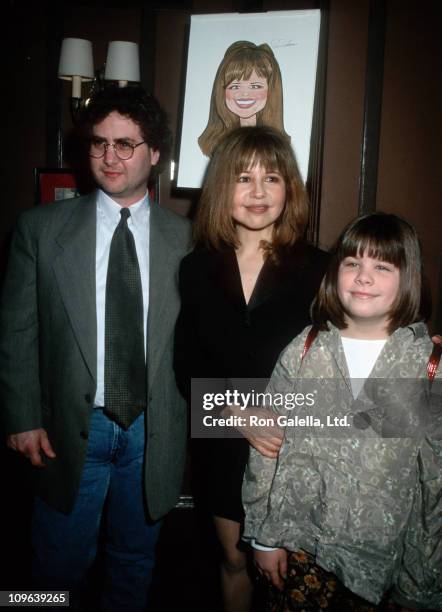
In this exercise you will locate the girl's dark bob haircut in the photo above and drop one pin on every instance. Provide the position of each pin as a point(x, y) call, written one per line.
point(385, 237)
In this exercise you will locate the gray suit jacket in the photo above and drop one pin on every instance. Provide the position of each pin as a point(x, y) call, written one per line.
point(48, 346)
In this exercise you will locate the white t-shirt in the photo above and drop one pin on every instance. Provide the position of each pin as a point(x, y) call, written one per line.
point(361, 356)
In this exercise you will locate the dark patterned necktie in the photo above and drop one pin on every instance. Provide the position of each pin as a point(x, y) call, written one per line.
point(124, 362)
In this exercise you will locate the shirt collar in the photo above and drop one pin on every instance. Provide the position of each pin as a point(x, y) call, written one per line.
point(109, 210)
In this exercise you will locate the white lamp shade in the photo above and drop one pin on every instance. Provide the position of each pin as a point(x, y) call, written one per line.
point(76, 59)
point(122, 63)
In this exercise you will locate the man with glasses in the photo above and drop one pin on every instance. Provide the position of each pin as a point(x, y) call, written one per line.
point(87, 319)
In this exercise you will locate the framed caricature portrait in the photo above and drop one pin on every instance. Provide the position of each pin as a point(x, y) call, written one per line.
point(258, 68)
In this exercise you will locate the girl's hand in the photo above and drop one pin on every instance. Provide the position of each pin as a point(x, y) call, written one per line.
point(272, 564)
point(437, 339)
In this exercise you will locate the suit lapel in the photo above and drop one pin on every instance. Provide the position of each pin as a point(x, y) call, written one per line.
point(74, 269)
point(269, 282)
point(163, 306)
point(228, 277)
point(274, 278)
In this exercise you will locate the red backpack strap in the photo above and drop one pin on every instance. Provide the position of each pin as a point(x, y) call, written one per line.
point(309, 341)
point(433, 362)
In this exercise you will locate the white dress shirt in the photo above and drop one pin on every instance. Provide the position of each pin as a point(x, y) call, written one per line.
point(108, 217)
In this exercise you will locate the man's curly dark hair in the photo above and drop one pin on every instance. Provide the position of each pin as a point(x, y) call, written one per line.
point(141, 107)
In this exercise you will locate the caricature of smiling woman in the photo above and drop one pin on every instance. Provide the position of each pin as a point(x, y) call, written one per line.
point(246, 97)
point(247, 90)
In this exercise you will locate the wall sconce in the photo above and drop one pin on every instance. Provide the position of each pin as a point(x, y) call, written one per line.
point(76, 65)
point(122, 63)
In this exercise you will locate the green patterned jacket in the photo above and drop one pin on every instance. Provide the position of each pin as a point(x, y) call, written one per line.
point(364, 498)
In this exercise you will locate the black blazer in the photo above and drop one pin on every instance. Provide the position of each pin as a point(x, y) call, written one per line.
point(218, 335)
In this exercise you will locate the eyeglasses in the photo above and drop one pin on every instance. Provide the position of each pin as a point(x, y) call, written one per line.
point(123, 150)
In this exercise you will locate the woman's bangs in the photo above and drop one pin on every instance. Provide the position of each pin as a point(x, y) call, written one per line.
point(258, 154)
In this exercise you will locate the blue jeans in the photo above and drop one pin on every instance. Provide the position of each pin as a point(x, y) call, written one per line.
point(65, 546)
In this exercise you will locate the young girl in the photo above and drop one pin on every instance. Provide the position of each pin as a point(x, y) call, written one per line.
point(247, 91)
point(246, 290)
point(360, 511)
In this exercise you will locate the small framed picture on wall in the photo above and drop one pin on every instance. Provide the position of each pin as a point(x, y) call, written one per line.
point(52, 184)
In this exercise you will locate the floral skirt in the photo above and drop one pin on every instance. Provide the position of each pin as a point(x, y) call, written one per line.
point(309, 588)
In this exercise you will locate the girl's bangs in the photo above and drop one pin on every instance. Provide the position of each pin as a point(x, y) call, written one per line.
point(375, 244)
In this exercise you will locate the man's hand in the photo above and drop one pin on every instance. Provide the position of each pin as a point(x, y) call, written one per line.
point(272, 565)
point(32, 444)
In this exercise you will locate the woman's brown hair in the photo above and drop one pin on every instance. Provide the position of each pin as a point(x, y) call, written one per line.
point(239, 61)
point(238, 152)
point(381, 236)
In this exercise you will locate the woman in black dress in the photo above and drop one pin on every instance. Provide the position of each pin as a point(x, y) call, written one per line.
point(246, 291)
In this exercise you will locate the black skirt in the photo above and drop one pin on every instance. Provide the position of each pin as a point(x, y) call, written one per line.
point(218, 467)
